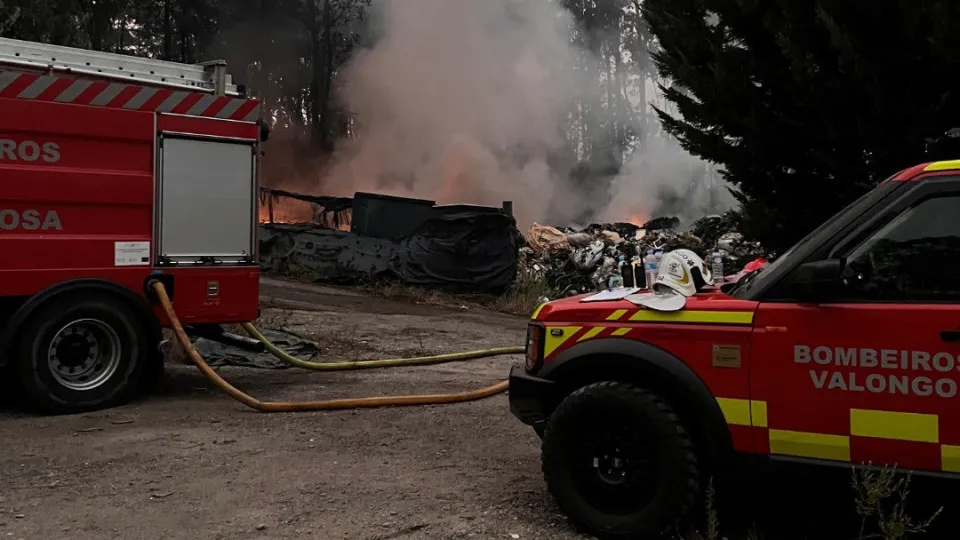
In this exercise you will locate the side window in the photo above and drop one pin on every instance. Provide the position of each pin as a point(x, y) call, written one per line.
point(913, 258)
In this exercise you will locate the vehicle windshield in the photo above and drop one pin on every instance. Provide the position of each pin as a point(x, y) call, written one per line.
point(839, 220)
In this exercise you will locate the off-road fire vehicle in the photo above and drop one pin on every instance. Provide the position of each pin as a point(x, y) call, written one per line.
point(844, 350)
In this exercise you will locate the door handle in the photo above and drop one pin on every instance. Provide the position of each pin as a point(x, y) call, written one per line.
point(950, 335)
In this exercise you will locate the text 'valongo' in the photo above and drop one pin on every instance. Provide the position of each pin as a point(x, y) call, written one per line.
point(897, 360)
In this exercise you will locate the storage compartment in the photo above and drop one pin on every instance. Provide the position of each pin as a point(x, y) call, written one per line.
point(207, 201)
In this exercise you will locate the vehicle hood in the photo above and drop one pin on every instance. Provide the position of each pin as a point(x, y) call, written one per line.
point(573, 310)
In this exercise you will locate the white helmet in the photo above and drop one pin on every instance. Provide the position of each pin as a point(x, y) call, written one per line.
point(674, 274)
point(698, 268)
point(682, 272)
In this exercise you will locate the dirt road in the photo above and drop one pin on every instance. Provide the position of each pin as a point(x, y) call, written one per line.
point(189, 463)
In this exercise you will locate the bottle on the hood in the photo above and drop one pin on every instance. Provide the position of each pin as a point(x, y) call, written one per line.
point(716, 267)
point(649, 269)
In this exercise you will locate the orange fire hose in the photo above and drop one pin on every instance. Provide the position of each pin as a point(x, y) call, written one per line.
point(302, 406)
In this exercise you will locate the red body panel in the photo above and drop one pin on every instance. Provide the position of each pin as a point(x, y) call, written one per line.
point(101, 189)
point(895, 406)
point(816, 396)
point(686, 337)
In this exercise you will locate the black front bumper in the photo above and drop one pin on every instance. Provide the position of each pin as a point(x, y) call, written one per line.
point(532, 399)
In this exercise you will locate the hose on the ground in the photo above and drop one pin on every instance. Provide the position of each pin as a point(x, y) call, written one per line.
point(288, 358)
point(302, 406)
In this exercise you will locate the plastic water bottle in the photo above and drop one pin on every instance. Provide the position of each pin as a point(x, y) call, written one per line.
point(716, 267)
point(615, 282)
point(649, 266)
point(657, 257)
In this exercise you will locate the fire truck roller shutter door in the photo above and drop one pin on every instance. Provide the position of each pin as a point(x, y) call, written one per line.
point(208, 199)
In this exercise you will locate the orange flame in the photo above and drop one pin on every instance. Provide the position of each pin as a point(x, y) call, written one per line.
point(285, 210)
point(637, 220)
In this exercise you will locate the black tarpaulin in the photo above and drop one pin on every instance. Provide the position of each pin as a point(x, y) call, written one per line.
point(467, 251)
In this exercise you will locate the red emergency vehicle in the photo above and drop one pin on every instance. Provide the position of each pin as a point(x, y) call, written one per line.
point(845, 350)
point(116, 170)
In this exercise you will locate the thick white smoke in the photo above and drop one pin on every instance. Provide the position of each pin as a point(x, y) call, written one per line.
point(468, 101)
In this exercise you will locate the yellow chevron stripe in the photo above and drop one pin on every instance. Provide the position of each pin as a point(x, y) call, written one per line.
point(621, 331)
point(616, 315)
point(591, 333)
point(551, 342)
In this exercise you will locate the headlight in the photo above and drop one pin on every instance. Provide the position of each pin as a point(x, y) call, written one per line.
point(534, 346)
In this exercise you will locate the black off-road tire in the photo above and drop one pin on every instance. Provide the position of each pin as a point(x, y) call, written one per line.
point(655, 445)
point(38, 383)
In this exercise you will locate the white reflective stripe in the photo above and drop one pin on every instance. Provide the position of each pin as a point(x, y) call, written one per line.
point(171, 102)
point(37, 87)
point(7, 77)
point(254, 114)
point(73, 91)
point(140, 98)
point(108, 94)
point(231, 108)
point(201, 105)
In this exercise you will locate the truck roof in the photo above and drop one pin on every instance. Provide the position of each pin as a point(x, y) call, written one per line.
point(41, 72)
point(936, 167)
point(81, 62)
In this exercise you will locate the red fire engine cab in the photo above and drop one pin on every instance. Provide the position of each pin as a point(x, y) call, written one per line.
point(845, 350)
point(115, 171)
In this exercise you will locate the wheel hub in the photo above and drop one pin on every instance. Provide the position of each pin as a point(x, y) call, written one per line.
point(617, 471)
point(611, 467)
point(84, 354)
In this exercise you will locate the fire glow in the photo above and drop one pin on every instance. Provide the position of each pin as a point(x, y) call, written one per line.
point(293, 211)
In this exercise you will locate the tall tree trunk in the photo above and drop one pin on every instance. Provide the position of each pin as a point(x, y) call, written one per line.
point(327, 82)
point(316, 79)
point(96, 26)
point(167, 30)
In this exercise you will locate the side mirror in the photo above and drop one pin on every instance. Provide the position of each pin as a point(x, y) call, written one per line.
point(817, 272)
point(816, 279)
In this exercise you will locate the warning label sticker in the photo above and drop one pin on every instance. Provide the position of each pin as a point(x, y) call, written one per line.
point(131, 253)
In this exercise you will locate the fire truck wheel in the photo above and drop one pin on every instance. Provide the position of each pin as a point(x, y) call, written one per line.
point(81, 352)
point(619, 462)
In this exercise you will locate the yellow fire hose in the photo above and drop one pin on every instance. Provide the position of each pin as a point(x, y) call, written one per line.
point(333, 404)
point(374, 364)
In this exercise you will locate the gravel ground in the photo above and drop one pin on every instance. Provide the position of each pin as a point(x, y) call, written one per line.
point(190, 463)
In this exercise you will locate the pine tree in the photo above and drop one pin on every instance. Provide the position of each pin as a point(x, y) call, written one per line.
point(806, 104)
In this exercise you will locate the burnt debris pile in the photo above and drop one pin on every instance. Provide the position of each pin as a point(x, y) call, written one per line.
point(371, 237)
point(468, 248)
point(574, 261)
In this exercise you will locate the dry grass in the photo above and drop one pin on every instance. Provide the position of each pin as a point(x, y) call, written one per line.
point(880, 501)
point(522, 298)
point(393, 290)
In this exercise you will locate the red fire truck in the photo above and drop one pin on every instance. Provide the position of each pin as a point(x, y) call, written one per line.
point(845, 350)
point(116, 170)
